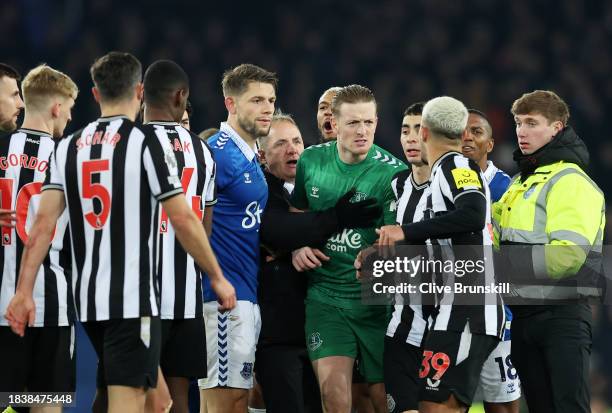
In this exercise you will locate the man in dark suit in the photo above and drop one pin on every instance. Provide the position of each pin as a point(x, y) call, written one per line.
point(282, 366)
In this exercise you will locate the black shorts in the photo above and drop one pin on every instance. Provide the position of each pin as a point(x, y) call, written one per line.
point(128, 351)
point(401, 362)
point(452, 363)
point(44, 360)
point(183, 349)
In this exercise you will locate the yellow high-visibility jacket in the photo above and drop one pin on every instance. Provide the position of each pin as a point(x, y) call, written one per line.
point(560, 211)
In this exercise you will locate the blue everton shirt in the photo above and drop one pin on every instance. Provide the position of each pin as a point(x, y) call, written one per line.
point(498, 182)
point(242, 193)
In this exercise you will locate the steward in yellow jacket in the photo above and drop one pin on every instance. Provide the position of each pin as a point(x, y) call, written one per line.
point(549, 225)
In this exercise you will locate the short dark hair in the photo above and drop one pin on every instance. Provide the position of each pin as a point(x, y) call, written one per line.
point(189, 109)
point(416, 109)
point(351, 94)
point(9, 71)
point(486, 119)
point(115, 74)
point(161, 79)
point(236, 80)
point(545, 102)
point(479, 113)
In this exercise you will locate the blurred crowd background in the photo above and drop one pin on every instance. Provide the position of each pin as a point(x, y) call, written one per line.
point(486, 53)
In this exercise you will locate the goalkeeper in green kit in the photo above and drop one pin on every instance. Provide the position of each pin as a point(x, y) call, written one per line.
point(339, 328)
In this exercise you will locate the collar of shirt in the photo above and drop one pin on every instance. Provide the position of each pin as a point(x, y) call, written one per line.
point(490, 172)
point(246, 150)
point(33, 132)
point(162, 123)
point(440, 159)
point(289, 187)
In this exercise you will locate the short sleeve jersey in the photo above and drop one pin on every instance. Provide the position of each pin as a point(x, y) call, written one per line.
point(322, 178)
point(242, 193)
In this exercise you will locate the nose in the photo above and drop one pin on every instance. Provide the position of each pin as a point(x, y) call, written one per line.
point(269, 108)
point(20, 104)
point(520, 130)
point(412, 137)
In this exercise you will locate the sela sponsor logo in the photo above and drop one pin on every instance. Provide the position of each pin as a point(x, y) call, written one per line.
point(342, 241)
point(253, 215)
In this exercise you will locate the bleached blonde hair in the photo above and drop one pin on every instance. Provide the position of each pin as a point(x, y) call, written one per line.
point(445, 116)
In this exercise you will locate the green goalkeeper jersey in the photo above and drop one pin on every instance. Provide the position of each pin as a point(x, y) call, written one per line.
point(322, 178)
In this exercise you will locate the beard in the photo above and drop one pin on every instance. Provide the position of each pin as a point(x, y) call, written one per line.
point(250, 127)
point(8, 125)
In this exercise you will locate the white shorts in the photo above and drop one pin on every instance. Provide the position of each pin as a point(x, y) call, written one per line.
point(231, 338)
point(499, 380)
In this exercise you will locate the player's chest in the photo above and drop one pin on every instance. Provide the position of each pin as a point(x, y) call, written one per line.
point(247, 185)
point(324, 188)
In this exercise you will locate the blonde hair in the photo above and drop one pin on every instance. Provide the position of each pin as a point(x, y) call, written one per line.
point(44, 82)
point(445, 116)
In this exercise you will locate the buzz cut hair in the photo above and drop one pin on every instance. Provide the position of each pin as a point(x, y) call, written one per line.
point(9, 71)
point(352, 94)
point(161, 79)
point(488, 126)
point(333, 89)
point(445, 116)
point(115, 75)
point(236, 80)
point(43, 82)
point(544, 102)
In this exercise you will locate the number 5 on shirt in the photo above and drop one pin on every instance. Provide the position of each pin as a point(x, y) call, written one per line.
point(96, 190)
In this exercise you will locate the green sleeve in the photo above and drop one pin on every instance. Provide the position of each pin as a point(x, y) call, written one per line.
point(299, 198)
point(389, 206)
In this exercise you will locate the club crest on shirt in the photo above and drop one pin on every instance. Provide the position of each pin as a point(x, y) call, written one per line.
point(314, 341)
point(247, 370)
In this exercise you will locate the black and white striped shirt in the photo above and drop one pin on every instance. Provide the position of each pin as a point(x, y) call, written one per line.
point(24, 161)
point(453, 176)
point(408, 322)
point(113, 175)
point(179, 276)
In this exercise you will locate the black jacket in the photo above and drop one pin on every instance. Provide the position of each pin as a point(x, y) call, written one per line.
point(282, 289)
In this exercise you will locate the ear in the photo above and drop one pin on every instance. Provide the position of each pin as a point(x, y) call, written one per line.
point(490, 145)
point(230, 105)
point(557, 126)
point(424, 133)
point(139, 91)
point(55, 109)
point(96, 94)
